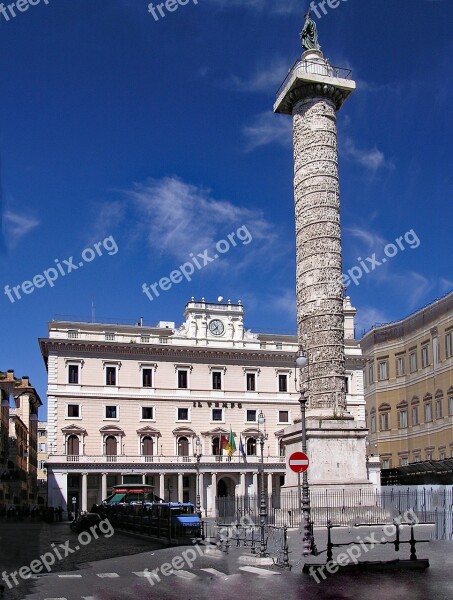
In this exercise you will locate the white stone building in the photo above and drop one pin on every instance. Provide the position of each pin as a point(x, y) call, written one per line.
point(127, 403)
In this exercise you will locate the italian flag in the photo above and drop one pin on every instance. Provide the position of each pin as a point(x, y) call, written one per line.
point(231, 446)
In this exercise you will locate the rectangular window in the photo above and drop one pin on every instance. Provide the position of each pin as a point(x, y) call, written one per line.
point(147, 376)
point(182, 379)
point(386, 463)
point(217, 414)
point(383, 370)
point(110, 375)
point(251, 382)
point(111, 412)
point(449, 344)
point(404, 461)
point(163, 340)
point(74, 411)
point(417, 458)
point(283, 416)
point(402, 418)
point(147, 413)
point(373, 424)
point(425, 356)
point(73, 374)
point(438, 409)
point(415, 415)
point(442, 456)
point(399, 366)
point(428, 412)
point(435, 352)
point(283, 383)
point(371, 374)
point(413, 362)
point(279, 346)
point(429, 456)
point(73, 334)
point(109, 337)
point(251, 416)
point(42, 447)
point(183, 414)
point(450, 405)
point(216, 380)
point(144, 339)
point(384, 421)
point(42, 465)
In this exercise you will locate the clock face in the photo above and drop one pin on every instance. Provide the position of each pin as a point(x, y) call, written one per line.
point(216, 327)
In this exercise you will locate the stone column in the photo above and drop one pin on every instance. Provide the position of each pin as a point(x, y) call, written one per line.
point(255, 484)
point(84, 499)
point(162, 485)
point(103, 486)
point(213, 494)
point(319, 285)
point(242, 485)
point(180, 487)
point(269, 484)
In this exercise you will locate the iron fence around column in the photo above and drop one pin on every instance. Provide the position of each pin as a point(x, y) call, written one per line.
point(347, 508)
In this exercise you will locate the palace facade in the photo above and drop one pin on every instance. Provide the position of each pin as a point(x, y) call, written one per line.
point(132, 404)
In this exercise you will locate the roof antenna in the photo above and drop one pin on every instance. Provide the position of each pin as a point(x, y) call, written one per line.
point(93, 311)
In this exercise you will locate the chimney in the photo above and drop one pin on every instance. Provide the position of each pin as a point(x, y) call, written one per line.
point(10, 375)
point(25, 381)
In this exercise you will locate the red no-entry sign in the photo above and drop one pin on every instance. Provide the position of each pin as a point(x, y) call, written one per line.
point(298, 462)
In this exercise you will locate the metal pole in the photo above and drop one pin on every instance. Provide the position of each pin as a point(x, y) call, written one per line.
point(308, 541)
point(263, 509)
point(198, 507)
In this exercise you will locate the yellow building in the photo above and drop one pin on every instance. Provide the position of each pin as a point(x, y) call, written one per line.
point(409, 386)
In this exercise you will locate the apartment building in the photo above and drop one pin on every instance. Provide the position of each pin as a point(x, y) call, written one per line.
point(135, 403)
point(409, 386)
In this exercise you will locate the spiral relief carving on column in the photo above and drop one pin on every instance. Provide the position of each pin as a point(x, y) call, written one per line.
point(318, 248)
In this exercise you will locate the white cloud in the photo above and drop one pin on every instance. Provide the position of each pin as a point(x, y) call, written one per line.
point(367, 317)
point(268, 128)
point(267, 77)
point(371, 239)
point(16, 226)
point(371, 159)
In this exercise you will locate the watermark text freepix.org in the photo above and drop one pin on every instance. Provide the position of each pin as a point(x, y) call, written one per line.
point(50, 275)
point(371, 263)
point(199, 261)
point(168, 5)
point(321, 6)
point(8, 11)
point(59, 552)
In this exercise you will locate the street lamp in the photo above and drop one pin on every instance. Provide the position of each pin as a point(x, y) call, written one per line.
point(309, 542)
point(263, 505)
point(197, 455)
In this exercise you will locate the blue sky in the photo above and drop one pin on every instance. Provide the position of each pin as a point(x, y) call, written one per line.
point(161, 135)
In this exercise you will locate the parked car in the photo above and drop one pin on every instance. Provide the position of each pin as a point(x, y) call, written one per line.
point(85, 521)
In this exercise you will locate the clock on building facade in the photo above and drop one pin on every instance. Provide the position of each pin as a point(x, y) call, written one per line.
point(216, 327)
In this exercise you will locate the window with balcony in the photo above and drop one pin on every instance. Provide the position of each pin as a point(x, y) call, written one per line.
point(147, 413)
point(111, 412)
point(182, 379)
point(73, 374)
point(251, 447)
point(111, 446)
point(72, 445)
point(73, 411)
point(282, 382)
point(216, 380)
point(251, 382)
point(147, 377)
point(110, 376)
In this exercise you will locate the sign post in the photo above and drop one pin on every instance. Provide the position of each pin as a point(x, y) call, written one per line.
point(299, 462)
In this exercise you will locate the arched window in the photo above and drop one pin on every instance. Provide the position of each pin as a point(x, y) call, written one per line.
point(251, 446)
point(111, 447)
point(147, 447)
point(216, 446)
point(73, 445)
